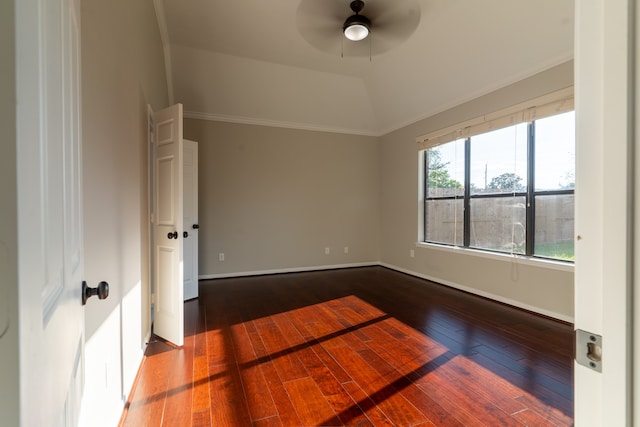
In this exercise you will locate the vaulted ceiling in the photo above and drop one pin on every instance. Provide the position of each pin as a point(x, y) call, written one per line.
point(251, 61)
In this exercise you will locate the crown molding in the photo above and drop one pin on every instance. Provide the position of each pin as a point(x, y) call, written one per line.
point(275, 123)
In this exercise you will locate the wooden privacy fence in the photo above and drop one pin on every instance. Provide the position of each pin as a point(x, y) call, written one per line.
point(500, 223)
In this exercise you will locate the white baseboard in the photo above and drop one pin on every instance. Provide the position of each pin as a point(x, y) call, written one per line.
point(286, 270)
point(128, 382)
point(438, 280)
point(489, 295)
point(147, 340)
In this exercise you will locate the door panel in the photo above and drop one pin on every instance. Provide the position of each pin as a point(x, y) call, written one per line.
point(190, 219)
point(168, 261)
point(167, 220)
point(50, 249)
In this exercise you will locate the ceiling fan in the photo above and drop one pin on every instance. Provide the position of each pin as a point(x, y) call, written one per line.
point(329, 25)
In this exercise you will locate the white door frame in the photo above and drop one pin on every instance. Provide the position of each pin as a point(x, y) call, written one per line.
point(604, 276)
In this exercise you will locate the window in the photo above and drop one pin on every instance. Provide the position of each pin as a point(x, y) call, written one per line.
point(554, 186)
point(507, 190)
point(498, 170)
point(444, 201)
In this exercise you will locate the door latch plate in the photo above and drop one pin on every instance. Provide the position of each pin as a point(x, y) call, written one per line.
point(589, 350)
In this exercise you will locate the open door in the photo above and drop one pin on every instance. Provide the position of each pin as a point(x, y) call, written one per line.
point(50, 240)
point(167, 223)
point(191, 226)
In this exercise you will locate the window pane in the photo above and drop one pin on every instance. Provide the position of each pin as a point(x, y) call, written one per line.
point(556, 152)
point(444, 221)
point(499, 224)
point(446, 169)
point(554, 226)
point(499, 161)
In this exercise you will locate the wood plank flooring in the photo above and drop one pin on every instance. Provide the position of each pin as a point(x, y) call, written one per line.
point(359, 347)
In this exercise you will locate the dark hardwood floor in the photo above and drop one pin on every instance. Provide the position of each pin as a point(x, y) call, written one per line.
point(362, 347)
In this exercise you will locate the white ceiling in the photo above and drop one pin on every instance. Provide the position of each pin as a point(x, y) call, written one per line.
point(249, 61)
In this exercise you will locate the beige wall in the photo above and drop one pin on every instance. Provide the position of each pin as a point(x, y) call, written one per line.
point(9, 360)
point(122, 72)
point(549, 291)
point(272, 199)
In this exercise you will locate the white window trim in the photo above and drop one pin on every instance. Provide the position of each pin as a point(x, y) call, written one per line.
point(505, 257)
point(547, 105)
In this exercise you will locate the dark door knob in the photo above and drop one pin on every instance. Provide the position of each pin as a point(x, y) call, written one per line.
point(102, 291)
point(185, 234)
point(173, 235)
point(196, 226)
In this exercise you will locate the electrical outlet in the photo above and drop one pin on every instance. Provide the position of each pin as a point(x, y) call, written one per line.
point(327, 251)
point(221, 256)
point(346, 249)
point(412, 253)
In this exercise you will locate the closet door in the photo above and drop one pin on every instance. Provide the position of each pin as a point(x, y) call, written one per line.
point(190, 221)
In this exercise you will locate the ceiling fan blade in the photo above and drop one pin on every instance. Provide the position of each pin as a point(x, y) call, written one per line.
point(319, 22)
point(322, 12)
point(395, 20)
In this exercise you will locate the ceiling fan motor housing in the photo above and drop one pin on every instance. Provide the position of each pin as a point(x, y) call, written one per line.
point(361, 24)
point(357, 20)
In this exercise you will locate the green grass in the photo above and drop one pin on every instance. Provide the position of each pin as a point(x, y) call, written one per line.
point(561, 250)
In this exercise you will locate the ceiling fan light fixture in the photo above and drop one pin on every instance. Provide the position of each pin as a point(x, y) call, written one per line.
point(356, 27)
point(356, 31)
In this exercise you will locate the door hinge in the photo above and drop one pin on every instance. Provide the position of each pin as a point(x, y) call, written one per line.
point(589, 350)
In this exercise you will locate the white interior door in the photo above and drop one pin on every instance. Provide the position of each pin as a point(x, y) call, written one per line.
point(191, 225)
point(167, 220)
point(50, 248)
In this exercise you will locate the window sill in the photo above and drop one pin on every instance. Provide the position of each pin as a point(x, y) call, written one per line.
point(522, 259)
